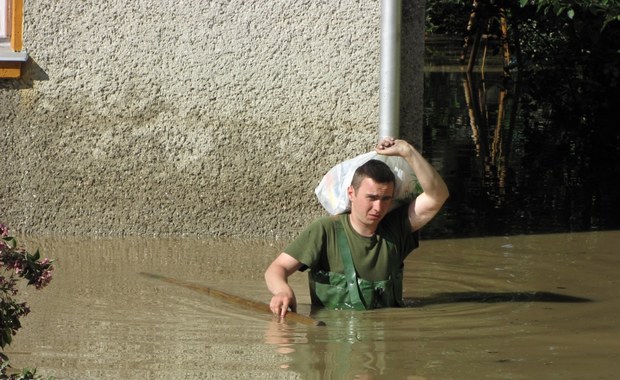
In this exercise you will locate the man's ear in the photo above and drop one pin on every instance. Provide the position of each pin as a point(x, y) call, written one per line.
point(350, 192)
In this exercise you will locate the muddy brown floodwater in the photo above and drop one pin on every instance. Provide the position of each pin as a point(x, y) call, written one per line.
point(518, 307)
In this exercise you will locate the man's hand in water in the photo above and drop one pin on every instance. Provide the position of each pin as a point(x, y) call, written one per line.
point(276, 277)
point(282, 302)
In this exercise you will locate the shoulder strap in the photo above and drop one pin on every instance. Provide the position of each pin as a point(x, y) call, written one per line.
point(349, 268)
point(395, 272)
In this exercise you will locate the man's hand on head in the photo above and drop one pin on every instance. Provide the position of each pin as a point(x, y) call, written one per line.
point(389, 146)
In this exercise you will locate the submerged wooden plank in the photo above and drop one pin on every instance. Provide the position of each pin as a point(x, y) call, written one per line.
point(236, 300)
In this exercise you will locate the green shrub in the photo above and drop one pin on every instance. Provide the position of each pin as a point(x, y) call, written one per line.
point(17, 264)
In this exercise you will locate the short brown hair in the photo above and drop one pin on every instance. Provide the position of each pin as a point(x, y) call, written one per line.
point(376, 170)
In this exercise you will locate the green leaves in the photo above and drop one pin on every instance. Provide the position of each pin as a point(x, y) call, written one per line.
point(10, 241)
point(606, 10)
point(17, 263)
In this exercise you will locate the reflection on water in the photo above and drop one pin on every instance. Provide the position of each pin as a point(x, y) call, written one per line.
point(539, 306)
point(517, 157)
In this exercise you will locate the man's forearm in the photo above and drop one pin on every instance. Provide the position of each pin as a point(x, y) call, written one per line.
point(431, 182)
point(276, 280)
point(276, 277)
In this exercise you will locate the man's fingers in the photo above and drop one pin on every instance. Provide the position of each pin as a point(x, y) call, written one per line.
point(275, 306)
point(279, 307)
point(283, 309)
point(386, 142)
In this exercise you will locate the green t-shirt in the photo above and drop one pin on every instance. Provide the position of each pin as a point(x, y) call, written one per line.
point(316, 246)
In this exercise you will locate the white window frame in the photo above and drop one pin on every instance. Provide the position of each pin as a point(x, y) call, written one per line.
point(5, 21)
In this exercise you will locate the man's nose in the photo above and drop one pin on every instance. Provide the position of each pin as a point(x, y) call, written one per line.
point(377, 205)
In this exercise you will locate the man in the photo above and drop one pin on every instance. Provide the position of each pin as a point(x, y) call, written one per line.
point(356, 259)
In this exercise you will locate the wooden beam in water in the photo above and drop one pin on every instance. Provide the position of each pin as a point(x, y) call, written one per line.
point(236, 300)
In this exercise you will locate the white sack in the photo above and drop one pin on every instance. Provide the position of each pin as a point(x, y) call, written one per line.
point(332, 190)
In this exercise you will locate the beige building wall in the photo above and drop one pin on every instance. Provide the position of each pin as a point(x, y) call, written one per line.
point(214, 118)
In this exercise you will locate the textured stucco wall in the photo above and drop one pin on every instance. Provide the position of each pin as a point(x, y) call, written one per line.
point(197, 117)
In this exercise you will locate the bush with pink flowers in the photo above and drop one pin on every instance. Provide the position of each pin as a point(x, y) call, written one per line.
point(17, 264)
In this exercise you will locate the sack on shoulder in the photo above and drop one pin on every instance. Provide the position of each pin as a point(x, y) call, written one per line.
point(332, 190)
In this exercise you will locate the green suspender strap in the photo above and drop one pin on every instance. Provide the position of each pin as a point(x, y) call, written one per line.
point(364, 294)
point(349, 268)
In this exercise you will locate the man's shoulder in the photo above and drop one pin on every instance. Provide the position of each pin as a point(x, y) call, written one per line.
point(327, 222)
point(398, 213)
point(396, 222)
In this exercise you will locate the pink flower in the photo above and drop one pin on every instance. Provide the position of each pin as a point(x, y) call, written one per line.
point(18, 268)
point(4, 230)
point(44, 279)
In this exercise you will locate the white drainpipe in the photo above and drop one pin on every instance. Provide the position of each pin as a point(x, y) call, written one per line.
point(389, 85)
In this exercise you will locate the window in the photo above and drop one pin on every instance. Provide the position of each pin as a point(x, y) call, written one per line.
point(5, 22)
point(11, 54)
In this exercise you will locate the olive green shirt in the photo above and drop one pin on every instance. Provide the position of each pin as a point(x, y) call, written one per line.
point(317, 248)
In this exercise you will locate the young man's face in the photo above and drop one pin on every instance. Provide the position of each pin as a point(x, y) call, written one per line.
point(371, 201)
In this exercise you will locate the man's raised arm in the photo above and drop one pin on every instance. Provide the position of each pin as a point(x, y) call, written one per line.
point(435, 192)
